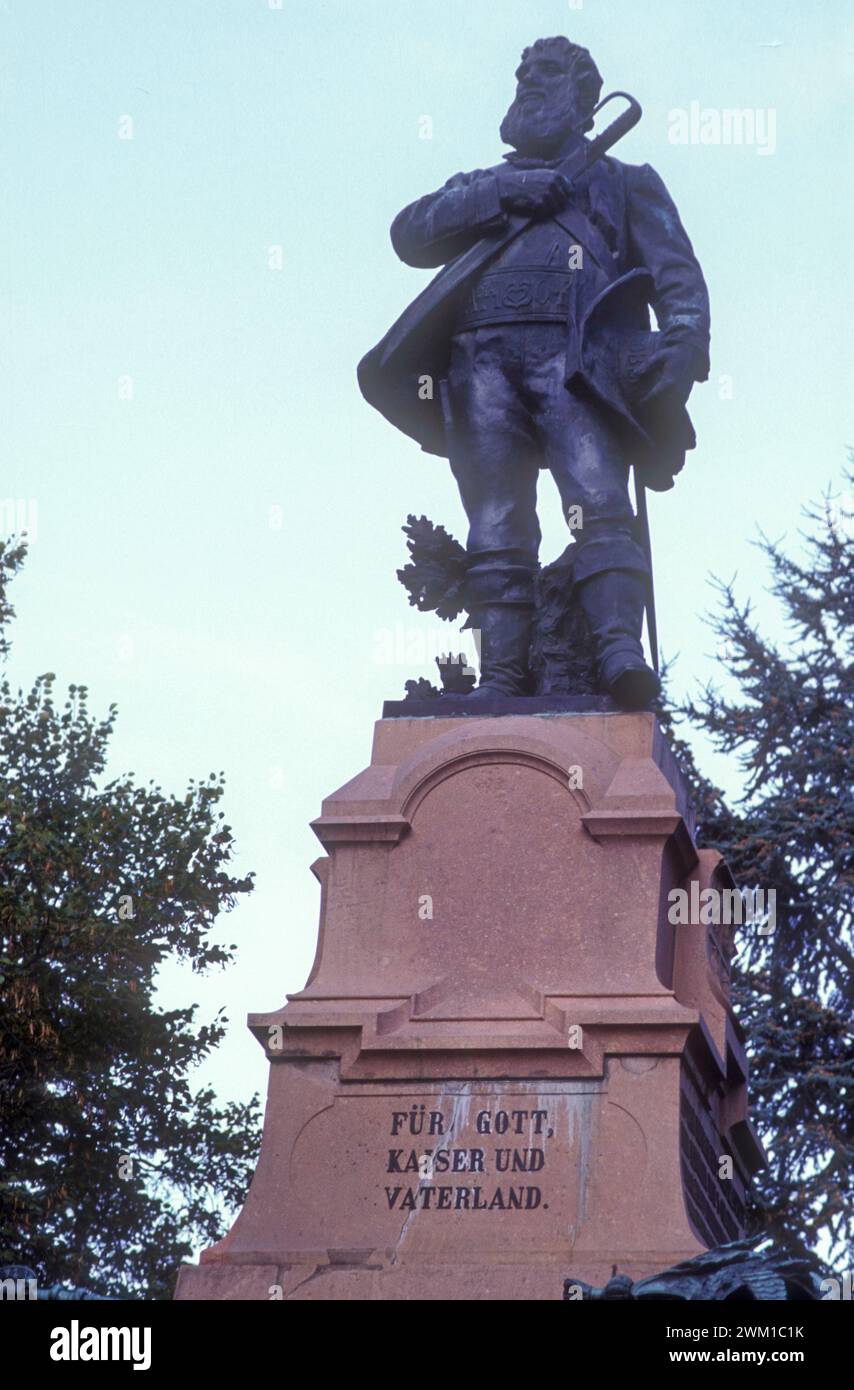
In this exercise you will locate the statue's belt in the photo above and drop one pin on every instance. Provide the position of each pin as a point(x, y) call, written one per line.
point(517, 294)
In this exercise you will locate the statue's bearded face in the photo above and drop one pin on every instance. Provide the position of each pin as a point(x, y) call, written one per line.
point(545, 110)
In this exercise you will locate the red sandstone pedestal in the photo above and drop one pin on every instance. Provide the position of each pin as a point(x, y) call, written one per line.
point(507, 1066)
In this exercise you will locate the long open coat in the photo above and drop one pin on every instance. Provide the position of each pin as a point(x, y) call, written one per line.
point(628, 226)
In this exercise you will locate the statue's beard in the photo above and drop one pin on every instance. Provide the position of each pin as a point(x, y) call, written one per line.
point(537, 127)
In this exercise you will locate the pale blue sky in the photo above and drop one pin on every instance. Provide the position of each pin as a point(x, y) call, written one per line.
point(157, 577)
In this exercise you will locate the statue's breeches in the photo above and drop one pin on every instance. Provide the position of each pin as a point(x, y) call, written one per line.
point(509, 414)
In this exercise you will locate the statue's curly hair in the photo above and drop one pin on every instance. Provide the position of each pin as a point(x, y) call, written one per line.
point(585, 75)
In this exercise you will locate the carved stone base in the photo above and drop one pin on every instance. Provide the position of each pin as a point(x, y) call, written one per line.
point(446, 706)
point(483, 1084)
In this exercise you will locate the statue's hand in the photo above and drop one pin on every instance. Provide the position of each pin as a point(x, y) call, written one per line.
point(534, 191)
point(667, 378)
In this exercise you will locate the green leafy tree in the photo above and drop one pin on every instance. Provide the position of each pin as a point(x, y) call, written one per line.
point(789, 724)
point(112, 1170)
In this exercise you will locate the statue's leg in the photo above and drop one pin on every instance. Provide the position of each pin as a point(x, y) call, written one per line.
point(583, 450)
point(491, 453)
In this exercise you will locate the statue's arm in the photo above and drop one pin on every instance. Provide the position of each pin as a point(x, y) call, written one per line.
point(441, 226)
point(660, 242)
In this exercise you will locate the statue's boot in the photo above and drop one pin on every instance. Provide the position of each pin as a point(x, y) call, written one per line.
point(505, 640)
point(613, 603)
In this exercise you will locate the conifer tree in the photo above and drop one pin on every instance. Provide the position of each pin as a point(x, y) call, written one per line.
point(789, 721)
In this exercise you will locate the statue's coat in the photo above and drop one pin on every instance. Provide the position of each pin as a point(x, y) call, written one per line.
point(629, 228)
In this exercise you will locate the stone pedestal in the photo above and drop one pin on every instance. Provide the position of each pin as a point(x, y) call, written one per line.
point(506, 1066)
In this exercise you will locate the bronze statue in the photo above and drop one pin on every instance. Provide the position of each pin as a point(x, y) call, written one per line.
point(532, 349)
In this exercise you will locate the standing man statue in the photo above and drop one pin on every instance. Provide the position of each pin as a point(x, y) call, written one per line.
point(532, 349)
